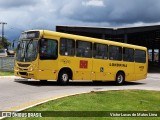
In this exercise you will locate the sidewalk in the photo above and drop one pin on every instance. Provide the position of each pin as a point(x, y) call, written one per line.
point(7, 76)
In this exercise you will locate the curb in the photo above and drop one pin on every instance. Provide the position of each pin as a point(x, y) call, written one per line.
point(8, 77)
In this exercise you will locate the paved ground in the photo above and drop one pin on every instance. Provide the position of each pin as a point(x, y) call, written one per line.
point(17, 95)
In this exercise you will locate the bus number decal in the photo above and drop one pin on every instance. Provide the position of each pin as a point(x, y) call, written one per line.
point(83, 64)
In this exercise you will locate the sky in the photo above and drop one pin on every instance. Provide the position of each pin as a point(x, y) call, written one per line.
point(21, 15)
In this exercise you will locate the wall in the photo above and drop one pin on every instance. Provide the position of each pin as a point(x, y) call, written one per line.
point(6, 63)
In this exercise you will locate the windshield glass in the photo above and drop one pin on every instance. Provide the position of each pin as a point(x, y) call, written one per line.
point(27, 50)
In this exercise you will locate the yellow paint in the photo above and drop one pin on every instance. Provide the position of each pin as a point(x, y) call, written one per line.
point(49, 69)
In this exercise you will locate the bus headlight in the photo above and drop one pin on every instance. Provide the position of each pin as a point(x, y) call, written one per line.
point(31, 68)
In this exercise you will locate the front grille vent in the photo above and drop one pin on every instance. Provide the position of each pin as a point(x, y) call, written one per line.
point(23, 73)
point(23, 65)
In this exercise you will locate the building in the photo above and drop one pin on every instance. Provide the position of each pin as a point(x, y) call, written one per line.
point(148, 36)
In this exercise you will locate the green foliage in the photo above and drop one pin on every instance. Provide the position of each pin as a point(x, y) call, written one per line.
point(1, 45)
point(6, 43)
point(127, 100)
point(6, 73)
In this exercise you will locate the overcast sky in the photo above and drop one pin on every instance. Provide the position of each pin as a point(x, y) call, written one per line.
point(22, 15)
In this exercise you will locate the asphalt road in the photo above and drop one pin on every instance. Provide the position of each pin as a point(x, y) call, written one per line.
point(17, 95)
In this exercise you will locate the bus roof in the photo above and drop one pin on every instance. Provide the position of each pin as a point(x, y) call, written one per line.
point(96, 40)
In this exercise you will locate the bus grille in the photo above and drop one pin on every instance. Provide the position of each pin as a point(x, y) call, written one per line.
point(23, 65)
point(23, 73)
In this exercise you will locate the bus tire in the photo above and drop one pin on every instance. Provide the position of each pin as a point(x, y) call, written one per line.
point(63, 77)
point(120, 78)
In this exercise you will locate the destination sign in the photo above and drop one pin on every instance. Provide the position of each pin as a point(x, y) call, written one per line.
point(30, 35)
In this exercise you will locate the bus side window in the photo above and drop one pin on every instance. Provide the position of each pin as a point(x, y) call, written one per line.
point(115, 53)
point(140, 56)
point(100, 51)
point(128, 54)
point(48, 49)
point(83, 49)
point(67, 47)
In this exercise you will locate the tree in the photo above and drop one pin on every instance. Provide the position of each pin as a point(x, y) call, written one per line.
point(1, 45)
point(5, 43)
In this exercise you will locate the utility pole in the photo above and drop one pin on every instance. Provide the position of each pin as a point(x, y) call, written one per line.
point(3, 23)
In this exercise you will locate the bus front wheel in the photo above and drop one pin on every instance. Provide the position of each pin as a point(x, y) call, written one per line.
point(63, 77)
point(120, 78)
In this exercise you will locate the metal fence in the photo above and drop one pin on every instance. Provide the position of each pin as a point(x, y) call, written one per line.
point(6, 63)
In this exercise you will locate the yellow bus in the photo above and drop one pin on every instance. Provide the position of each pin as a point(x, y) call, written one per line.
point(48, 55)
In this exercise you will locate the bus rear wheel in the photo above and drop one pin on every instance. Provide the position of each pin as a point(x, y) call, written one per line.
point(63, 77)
point(120, 78)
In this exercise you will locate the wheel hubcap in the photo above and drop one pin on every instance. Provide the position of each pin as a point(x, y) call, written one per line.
point(65, 77)
point(120, 79)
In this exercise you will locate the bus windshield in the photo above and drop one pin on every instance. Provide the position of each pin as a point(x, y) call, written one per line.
point(27, 50)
